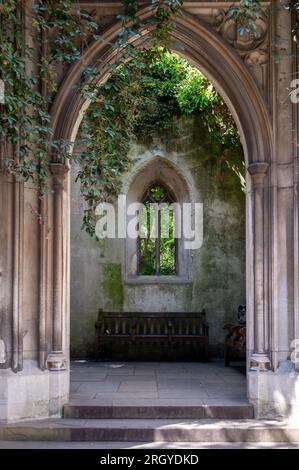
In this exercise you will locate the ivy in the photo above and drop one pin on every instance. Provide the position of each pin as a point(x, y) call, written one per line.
point(61, 24)
point(143, 97)
point(122, 109)
point(246, 15)
point(293, 6)
point(61, 30)
point(25, 120)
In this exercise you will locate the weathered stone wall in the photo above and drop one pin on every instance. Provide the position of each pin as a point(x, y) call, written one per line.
point(34, 262)
point(217, 271)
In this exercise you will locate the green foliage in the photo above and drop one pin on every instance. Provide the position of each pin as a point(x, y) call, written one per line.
point(157, 192)
point(246, 13)
point(157, 250)
point(293, 6)
point(61, 31)
point(157, 254)
point(147, 92)
point(69, 23)
point(147, 266)
point(113, 286)
point(143, 96)
point(24, 119)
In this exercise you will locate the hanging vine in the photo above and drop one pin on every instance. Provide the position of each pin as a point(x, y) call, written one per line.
point(144, 97)
point(25, 129)
point(62, 31)
point(245, 14)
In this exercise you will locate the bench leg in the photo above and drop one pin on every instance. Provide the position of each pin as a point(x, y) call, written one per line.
point(227, 356)
point(98, 349)
point(206, 350)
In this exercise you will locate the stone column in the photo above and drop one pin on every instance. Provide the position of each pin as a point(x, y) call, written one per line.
point(56, 359)
point(259, 359)
point(295, 352)
point(17, 304)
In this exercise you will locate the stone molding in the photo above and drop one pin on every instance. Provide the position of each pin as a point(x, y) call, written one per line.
point(259, 359)
point(59, 172)
point(213, 55)
point(258, 171)
point(56, 359)
point(253, 49)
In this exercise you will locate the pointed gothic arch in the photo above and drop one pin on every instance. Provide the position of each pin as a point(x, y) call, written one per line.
point(202, 46)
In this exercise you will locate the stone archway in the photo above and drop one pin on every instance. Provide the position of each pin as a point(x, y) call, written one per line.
point(34, 320)
point(220, 63)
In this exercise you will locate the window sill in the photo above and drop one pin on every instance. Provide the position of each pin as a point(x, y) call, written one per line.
point(137, 280)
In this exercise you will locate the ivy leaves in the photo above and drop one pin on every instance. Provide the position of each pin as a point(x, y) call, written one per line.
point(143, 97)
point(146, 92)
point(245, 15)
point(25, 118)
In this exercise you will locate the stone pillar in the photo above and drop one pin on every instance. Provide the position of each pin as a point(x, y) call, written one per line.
point(56, 359)
point(295, 352)
point(295, 109)
point(259, 359)
point(17, 304)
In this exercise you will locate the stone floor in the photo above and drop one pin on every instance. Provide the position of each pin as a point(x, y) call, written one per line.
point(130, 384)
point(161, 383)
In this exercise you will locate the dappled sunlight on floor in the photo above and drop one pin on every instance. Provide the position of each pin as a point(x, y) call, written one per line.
point(147, 445)
point(157, 382)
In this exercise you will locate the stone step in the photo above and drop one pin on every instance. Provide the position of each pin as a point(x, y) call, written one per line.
point(156, 411)
point(151, 430)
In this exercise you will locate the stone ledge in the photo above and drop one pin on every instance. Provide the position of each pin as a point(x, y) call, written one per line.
point(151, 430)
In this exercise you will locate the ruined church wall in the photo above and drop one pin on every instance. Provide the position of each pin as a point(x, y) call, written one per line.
point(216, 280)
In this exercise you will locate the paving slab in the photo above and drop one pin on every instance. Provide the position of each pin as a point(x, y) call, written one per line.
point(97, 387)
point(182, 381)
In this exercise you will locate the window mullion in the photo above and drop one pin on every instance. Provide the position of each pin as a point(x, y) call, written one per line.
point(158, 241)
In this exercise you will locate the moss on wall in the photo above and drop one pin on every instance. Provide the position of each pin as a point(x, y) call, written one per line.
point(113, 287)
point(217, 269)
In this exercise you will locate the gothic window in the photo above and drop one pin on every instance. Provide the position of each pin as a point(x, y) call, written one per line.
point(157, 244)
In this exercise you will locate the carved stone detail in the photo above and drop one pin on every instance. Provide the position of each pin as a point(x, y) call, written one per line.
point(257, 61)
point(56, 361)
point(243, 42)
point(260, 362)
point(253, 49)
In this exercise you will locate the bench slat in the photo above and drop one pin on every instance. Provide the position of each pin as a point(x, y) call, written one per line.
point(172, 333)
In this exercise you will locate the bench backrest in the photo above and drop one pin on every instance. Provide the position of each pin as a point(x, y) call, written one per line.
point(154, 323)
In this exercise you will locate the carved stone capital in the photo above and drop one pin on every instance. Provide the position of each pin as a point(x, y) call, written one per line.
point(59, 172)
point(258, 172)
point(260, 362)
point(56, 361)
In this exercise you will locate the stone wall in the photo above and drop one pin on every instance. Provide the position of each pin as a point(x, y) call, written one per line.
point(216, 279)
point(34, 264)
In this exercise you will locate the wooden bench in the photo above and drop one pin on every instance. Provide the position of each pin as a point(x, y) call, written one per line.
point(152, 336)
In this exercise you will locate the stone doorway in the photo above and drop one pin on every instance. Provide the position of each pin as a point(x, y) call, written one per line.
point(251, 116)
point(271, 218)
